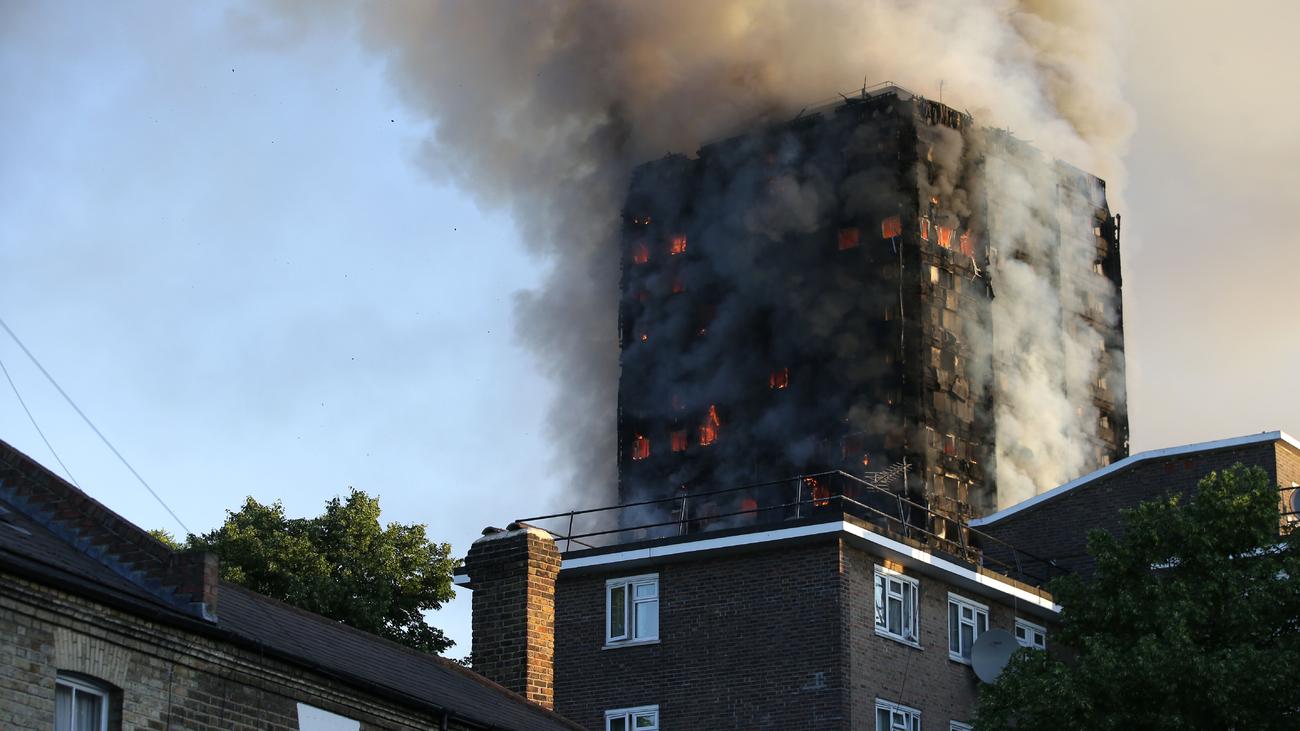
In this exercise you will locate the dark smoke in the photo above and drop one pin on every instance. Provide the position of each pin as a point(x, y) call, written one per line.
point(544, 107)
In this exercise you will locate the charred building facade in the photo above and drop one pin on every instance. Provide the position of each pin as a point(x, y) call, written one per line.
point(821, 294)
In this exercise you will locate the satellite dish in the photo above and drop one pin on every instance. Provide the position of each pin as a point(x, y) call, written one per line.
point(991, 652)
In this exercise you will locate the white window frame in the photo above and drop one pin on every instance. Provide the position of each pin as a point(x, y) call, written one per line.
point(83, 687)
point(631, 634)
point(978, 612)
point(630, 716)
point(1031, 629)
point(959, 726)
point(901, 718)
point(910, 622)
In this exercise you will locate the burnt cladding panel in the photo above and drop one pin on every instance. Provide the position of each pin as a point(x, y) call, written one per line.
point(765, 341)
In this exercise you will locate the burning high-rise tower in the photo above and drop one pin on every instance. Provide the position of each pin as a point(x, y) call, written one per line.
point(872, 283)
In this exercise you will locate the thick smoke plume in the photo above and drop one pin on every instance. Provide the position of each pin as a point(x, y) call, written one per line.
point(544, 107)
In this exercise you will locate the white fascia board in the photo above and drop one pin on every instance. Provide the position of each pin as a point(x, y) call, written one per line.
point(909, 554)
point(1268, 436)
point(460, 579)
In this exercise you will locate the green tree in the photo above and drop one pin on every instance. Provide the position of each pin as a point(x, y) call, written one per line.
point(341, 564)
point(1191, 621)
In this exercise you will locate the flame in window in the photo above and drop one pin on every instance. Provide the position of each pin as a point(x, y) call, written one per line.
point(640, 253)
point(945, 236)
point(678, 245)
point(640, 447)
point(677, 440)
point(779, 379)
point(709, 429)
point(925, 229)
point(891, 227)
point(849, 238)
point(966, 243)
point(678, 285)
point(821, 495)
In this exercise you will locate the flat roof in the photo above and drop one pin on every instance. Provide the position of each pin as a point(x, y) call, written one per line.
point(1132, 459)
point(925, 561)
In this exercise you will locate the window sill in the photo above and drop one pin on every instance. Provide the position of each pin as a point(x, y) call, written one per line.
point(958, 659)
point(629, 643)
point(896, 638)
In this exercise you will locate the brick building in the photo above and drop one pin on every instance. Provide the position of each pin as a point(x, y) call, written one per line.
point(831, 613)
point(1055, 524)
point(825, 615)
point(103, 627)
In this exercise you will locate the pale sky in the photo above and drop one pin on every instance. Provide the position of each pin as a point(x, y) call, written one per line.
point(229, 256)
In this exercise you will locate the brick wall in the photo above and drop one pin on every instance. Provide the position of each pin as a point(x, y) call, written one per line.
point(1058, 528)
point(923, 678)
point(165, 678)
point(752, 641)
point(513, 576)
point(778, 638)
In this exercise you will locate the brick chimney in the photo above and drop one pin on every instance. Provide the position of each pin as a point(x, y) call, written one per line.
point(512, 574)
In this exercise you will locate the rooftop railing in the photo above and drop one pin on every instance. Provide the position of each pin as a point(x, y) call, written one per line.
point(805, 498)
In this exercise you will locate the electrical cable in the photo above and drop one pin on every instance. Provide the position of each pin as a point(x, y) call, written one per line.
point(36, 426)
point(93, 428)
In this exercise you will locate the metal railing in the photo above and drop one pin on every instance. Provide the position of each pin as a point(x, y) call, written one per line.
point(823, 494)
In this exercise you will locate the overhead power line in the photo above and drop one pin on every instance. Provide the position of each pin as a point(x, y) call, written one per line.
point(92, 426)
point(36, 426)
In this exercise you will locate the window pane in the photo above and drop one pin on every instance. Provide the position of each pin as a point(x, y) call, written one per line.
point(646, 720)
point(953, 629)
point(967, 639)
point(62, 708)
point(983, 621)
point(647, 619)
point(880, 601)
point(894, 615)
point(618, 723)
point(617, 612)
point(649, 590)
point(87, 707)
point(882, 719)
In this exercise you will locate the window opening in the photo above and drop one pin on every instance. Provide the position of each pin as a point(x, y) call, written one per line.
point(967, 620)
point(677, 441)
point(640, 447)
point(79, 705)
point(925, 229)
point(640, 253)
point(632, 609)
point(893, 717)
point(891, 227)
point(896, 605)
point(779, 379)
point(642, 718)
point(849, 238)
point(945, 236)
point(709, 429)
point(1031, 635)
point(677, 245)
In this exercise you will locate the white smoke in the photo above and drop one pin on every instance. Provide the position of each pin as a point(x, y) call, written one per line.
point(544, 107)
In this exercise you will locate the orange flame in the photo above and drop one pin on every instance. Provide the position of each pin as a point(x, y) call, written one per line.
point(945, 236)
point(709, 429)
point(891, 227)
point(678, 245)
point(849, 238)
point(640, 447)
point(640, 254)
point(678, 440)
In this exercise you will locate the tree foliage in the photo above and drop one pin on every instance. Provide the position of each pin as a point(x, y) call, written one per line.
point(1191, 621)
point(341, 564)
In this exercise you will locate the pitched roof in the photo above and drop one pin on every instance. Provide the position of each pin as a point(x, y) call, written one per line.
point(1129, 461)
point(54, 533)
